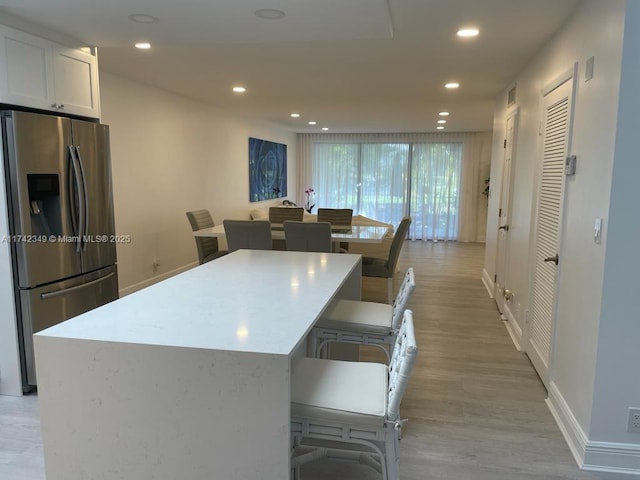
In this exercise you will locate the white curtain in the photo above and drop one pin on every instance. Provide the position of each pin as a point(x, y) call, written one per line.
point(435, 191)
point(435, 178)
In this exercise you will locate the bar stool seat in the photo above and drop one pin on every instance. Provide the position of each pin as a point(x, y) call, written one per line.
point(339, 391)
point(366, 317)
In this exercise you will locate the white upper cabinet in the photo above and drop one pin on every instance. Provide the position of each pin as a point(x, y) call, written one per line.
point(38, 73)
point(26, 69)
point(76, 81)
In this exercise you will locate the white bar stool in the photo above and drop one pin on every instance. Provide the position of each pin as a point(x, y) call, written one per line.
point(334, 403)
point(365, 323)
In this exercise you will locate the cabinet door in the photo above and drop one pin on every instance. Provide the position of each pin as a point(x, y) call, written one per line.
point(76, 81)
point(26, 70)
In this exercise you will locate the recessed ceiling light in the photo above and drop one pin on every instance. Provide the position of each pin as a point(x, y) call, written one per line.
point(440, 128)
point(269, 14)
point(468, 32)
point(442, 121)
point(313, 123)
point(143, 45)
point(295, 115)
point(444, 114)
point(325, 128)
point(452, 85)
point(142, 18)
point(239, 89)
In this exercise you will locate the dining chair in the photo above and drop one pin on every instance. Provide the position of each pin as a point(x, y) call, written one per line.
point(337, 217)
point(249, 234)
point(385, 267)
point(308, 236)
point(351, 410)
point(280, 214)
point(208, 248)
point(365, 323)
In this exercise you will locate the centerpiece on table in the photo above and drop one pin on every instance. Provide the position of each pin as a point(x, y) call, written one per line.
point(311, 199)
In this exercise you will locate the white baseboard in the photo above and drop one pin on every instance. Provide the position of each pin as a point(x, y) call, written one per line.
point(608, 457)
point(488, 282)
point(158, 278)
point(514, 330)
point(612, 457)
point(569, 426)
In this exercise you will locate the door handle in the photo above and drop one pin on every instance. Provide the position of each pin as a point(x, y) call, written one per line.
point(504, 227)
point(553, 259)
point(75, 288)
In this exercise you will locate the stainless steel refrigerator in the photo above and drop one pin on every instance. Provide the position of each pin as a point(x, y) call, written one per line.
point(58, 186)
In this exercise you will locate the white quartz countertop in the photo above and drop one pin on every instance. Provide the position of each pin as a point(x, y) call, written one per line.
point(247, 301)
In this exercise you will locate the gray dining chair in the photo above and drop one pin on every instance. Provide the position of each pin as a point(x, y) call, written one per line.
point(248, 234)
point(386, 267)
point(207, 246)
point(281, 214)
point(337, 217)
point(308, 236)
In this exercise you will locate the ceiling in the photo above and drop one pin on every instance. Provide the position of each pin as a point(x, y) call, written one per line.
point(351, 65)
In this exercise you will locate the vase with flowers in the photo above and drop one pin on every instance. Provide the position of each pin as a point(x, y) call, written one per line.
point(311, 199)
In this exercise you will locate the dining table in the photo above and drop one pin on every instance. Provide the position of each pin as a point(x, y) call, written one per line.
point(351, 234)
point(189, 377)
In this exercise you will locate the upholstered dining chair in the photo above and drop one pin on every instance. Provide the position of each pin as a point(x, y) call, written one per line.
point(337, 217)
point(365, 323)
point(352, 408)
point(280, 214)
point(250, 234)
point(207, 246)
point(308, 236)
point(385, 267)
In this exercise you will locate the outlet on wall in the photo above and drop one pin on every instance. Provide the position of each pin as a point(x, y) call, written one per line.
point(634, 420)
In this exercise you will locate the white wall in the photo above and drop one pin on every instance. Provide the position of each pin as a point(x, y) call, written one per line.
point(169, 155)
point(617, 383)
point(595, 29)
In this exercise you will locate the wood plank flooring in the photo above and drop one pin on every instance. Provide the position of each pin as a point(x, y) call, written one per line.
point(475, 405)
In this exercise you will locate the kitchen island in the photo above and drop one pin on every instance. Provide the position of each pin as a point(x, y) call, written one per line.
point(188, 378)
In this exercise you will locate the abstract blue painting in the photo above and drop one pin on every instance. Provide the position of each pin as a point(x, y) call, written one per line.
point(267, 170)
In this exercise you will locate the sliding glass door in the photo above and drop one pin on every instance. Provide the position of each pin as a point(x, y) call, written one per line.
point(386, 181)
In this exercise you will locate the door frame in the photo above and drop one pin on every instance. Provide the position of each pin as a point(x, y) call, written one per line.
point(570, 75)
point(506, 190)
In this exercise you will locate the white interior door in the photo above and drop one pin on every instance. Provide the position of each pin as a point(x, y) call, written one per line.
point(557, 128)
point(502, 254)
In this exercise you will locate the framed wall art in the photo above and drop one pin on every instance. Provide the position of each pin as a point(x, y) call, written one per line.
point(267, 170)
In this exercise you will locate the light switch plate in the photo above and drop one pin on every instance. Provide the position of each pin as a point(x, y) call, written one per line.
point(597, 230)
point(588, 69)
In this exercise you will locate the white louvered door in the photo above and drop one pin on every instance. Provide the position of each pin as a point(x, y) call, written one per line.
point(557, 116)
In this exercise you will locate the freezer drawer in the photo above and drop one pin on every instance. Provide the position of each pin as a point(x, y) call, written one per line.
point(51, 304)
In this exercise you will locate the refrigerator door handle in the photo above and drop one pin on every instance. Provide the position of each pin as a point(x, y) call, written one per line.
point(85, 199)
point(65, 291)
point(71, 189)
point(77, 209)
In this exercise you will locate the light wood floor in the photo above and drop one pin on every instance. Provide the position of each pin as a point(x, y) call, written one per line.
point(475, 405)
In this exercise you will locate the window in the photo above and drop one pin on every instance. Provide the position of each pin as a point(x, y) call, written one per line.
point(386, 181)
